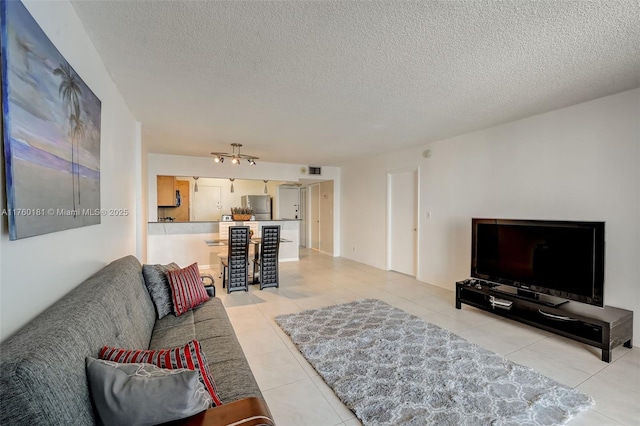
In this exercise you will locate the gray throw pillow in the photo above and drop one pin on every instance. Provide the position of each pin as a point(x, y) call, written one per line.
point(155, 278)
point(143, 394)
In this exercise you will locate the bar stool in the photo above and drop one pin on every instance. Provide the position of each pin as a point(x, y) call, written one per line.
point(235, 267)
point(267, 262)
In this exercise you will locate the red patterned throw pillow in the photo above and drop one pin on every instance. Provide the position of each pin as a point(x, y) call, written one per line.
point(188, 356)
point(187, 289)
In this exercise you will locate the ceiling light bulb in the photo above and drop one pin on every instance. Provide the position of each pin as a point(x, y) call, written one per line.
point(217, 159)
point(221, 159)
point(235, 160)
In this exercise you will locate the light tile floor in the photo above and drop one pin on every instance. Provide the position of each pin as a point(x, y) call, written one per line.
point(297, 396)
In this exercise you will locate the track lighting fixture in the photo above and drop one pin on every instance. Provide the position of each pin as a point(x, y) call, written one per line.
point(219, 157)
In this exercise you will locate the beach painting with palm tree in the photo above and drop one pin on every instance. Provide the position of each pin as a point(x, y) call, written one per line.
point(51, 129)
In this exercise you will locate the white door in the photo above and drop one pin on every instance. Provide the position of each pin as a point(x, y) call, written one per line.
point(288, 202)
point(206, 203)
point(314, 216)
point(303, 217)
point(403, 229)
point(326, 217)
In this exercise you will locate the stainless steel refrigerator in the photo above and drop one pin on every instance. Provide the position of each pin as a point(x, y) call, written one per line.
point(261, 205)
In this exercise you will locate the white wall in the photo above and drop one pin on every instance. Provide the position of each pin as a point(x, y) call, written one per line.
point(37, 271)
point(141, 196)
point(577, 163)
point(179, 165)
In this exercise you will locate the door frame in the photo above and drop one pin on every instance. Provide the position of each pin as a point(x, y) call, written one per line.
point(390, 174)
point(304, 220)
point(310, 242)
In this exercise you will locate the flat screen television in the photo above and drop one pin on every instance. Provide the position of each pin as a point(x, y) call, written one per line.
point(552, 261)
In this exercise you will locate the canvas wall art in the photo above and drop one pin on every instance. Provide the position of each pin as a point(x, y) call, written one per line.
point(51, 133)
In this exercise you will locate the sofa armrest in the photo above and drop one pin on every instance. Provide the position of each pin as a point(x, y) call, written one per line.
point(244, 412)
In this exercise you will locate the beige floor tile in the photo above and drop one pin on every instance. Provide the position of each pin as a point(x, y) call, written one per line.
point(342, 410)
point(624, 371)
point(302, 292)
point(274, 369)
point(437, 302)
point(453, 324)
point(314, 302)
point(243, 310)
point(352, 422)
point(249, 322)
point(300, 404)
point(383, 295)
point(273, 309)
point(571, 353)
point(283, 336)
point(347, 299)
point(260, 341)
point(470, 317)
point(592, 418)
point(613, 401)
point(308, 368)
point(503, 337)
point(236, 298)
point(339, 293)
point(566, 374)
point(412, 292)
point(411, 308)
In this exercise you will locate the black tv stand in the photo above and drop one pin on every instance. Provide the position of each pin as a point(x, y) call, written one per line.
point(604, 328)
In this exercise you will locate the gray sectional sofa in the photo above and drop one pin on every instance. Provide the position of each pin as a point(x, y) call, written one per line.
point(42, 366)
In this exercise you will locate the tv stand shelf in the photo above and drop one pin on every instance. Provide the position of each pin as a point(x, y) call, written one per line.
point(604, 328)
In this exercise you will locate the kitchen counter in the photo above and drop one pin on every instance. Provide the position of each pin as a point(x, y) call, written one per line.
point(184, 242)
point(226, 221)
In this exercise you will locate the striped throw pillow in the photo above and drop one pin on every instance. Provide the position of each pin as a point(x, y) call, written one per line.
point(189, 356)
point(187, 290)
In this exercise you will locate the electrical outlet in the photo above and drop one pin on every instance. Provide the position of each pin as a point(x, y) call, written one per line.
point(428, 215)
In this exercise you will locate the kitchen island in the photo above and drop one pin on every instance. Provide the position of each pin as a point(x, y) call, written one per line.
point(185, 242)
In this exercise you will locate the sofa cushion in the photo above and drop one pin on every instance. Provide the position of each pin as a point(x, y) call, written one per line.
point(188, 356)
point(144, 394)
point(209, 323)
point(187, 290)
point(157, 283)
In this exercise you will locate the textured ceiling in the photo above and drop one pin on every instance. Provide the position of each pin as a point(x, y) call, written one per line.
point(326, 82)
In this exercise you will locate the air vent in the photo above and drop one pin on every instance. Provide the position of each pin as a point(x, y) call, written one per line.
point(315, 170)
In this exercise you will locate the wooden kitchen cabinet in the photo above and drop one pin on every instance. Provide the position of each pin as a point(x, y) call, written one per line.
point(181, 214)
point(166, 191)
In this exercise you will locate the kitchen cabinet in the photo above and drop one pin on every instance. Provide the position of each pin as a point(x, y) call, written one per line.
point(181, 214)
point(166, 191)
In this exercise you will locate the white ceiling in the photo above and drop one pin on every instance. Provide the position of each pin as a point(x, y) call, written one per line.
point(326, 82)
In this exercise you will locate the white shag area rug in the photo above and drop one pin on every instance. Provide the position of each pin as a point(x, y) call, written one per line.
point(393, 368)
